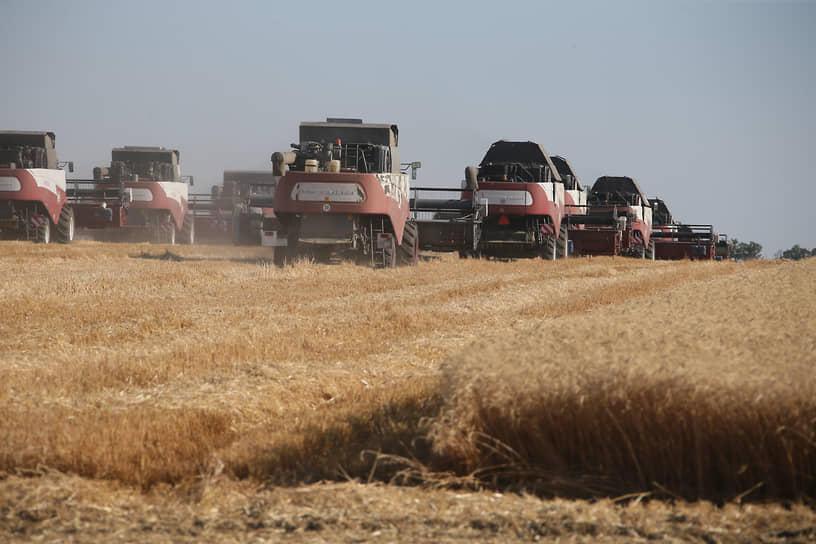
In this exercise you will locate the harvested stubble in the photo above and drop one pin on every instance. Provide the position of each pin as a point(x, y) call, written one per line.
point(139, 371)
point(705, 389)
point(149, 371)
point(70, 509)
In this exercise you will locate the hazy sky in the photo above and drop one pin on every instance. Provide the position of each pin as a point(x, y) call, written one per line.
point(709, 105)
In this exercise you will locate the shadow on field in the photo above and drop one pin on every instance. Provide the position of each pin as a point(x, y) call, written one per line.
point(175, 257)
point(388, 443)
point(398, 443)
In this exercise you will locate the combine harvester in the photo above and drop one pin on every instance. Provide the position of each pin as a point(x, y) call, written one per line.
point(512, 205)
point(342, 192)
point(225, 215)
point(141, 193)
point(32, 189)
point(675, 240)
point(617, 221)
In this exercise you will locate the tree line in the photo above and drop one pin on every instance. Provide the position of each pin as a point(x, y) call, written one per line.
point(744, 251)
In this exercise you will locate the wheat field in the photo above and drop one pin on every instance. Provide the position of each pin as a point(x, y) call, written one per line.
point(207, 395)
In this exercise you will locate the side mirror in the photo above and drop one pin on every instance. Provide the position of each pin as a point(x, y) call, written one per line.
point(414, 166)
point(192, 180)
point(71, 166)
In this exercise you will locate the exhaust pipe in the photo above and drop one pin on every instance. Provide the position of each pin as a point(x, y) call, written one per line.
point(470, 178)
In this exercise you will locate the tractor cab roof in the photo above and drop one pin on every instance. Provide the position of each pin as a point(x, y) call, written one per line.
point(27, 138)
point(565, 169)
point(352, 131)
point(522, 153)
point(145, 153)
point(617, 190)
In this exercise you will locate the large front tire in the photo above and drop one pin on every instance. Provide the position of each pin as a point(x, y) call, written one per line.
point(65, 226)
point(188, 230)
point(562, 249)
point(409, 248)
point(650, 251)
point(279, 257)
point(549, 251)
point(165, 230)
point(43, 233)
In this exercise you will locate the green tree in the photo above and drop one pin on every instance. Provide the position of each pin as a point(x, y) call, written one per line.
point(795, 253)
point(743, 251)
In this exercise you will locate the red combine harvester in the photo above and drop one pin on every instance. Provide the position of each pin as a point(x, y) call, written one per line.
point(618, 220)
point(32, 189)
point(512, 205)
point(675, 240)
point(342, 191)
point(142, 192)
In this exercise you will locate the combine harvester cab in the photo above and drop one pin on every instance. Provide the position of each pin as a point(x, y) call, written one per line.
point(142, 191)
point(32, 189)
point(618, 220)
point(675, 240)
point(512, 205)
point(344, 193)
point(575, 194)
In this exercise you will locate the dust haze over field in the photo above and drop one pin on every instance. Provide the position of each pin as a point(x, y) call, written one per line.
point(151, 399)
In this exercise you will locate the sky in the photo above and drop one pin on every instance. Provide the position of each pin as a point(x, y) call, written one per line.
point(710, 105)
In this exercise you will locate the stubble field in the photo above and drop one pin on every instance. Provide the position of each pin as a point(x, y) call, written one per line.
point(216, 397)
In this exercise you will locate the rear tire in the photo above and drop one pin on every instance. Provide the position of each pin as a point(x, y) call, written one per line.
point(550, 249)
point(409, 248)
point(390, 253)
point(650, 251)
point(43, 233)
point(563, 242)
point(65, 227)
point(188, 230)
point(287, 254)
point(165, 229)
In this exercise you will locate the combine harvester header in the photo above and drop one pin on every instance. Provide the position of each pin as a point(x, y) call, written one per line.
point(617, 221)
point(675, 240)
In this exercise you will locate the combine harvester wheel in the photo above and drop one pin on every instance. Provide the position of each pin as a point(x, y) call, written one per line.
point(165, 229)
point(65, 227)
point(549, 251)
point(409, 249)
point(188, 230)
point(650, 251)
point(563, 241)
point(42, 231)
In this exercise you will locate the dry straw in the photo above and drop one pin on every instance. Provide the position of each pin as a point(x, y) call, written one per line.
point(595, 375)
point(702, 390)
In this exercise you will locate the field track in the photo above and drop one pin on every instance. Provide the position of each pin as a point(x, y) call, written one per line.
point(178, 394)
